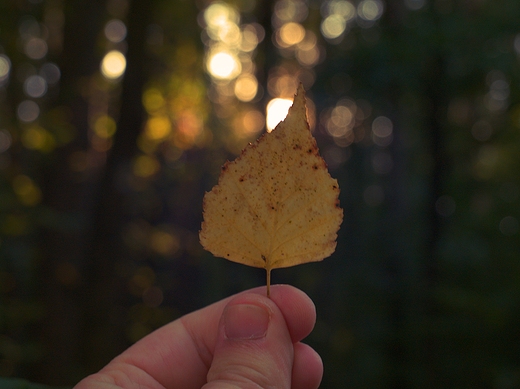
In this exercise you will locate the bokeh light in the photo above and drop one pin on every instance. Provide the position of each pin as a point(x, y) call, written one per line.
point(145, 166)
point(337, 14)
point(153, 100)
point(308, 52)
point(248, 123)
point(163, 242)
point(382, 129)
point(497, 98)
point(289, 10)
point(35, 86)
point(482, 130)
point(340, 121)
point(35, 48)
point(382, 126)
point(335, 156)
point(5, 67)
point(27, 191)
point(370, 10)
point(230, 35)
point(28, 111)
point(343, 8)
point(246, 87)
point(342, 118)
point(229, 60)
point(5, 140)
point(333, 26)
point(223, 65)
point(158, 128)
point(291, 37)
point(253, 121)
point(105, 127)
point(113, 65)
point(220, 14)
point(309, 57)
point(250, 38)
point(36, 137)
point(345, 121)
point(415, 4)
point(276, 111)
point(283, 81)
point(153, 296)
point(115, 31)
point(291, 34)
point(189, 128)
point(50, 72)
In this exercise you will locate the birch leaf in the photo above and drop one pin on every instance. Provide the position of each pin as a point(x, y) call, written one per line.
point(276, 205)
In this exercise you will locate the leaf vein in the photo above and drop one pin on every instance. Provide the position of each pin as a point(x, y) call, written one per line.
point(302, 208)
point(251, 208)
point(235, 227)
point(308, 230)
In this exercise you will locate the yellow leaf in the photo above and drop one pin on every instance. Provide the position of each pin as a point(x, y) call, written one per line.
point(276, 205)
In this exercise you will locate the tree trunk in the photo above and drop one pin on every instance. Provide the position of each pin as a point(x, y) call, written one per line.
point(104, 331)
point(66, 201)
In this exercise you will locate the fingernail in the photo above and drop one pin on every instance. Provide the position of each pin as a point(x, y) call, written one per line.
point(245, 321)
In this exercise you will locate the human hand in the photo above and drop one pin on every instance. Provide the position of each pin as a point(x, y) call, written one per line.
point(244, 341)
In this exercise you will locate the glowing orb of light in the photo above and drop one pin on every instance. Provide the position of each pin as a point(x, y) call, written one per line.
point(5, 67)
point(333, 26)
point(223, 65)
point(113, 65)
point(246, 87)
point(277, 110)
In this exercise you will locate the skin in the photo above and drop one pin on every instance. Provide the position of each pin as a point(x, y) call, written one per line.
point(241, 342)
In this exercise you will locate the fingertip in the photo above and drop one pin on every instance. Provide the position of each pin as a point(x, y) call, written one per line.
point(307, 367)
point(298, 309)
point(253, 347)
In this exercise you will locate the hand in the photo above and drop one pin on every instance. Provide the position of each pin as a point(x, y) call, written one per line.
point(244, 341)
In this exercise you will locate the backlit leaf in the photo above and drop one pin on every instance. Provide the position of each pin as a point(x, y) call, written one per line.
point(276, 205)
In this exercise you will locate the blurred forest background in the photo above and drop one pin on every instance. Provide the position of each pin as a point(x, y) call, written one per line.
point(116, 116)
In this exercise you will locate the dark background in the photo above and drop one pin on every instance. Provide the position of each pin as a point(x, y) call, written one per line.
point(101, 180)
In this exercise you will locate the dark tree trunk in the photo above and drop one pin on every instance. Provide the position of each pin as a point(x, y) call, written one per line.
point(66, 201)
point(104, 331)
point(435, 79)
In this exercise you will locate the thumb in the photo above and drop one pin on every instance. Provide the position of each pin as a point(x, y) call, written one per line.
point(254, 347)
